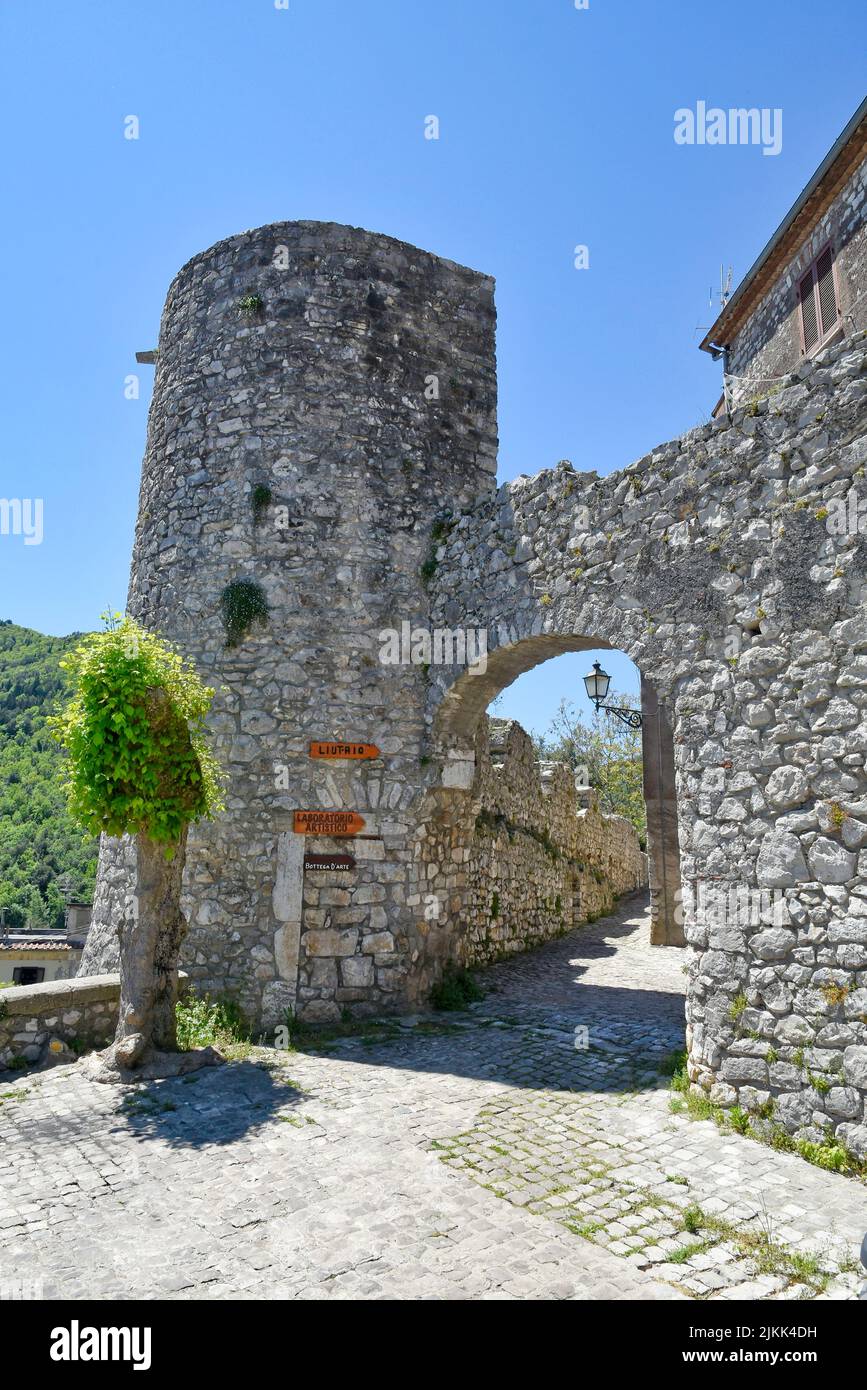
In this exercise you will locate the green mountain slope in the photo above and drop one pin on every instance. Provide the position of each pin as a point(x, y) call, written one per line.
point(39, 844)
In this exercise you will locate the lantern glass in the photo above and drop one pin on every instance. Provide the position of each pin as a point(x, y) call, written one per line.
point(596, 683)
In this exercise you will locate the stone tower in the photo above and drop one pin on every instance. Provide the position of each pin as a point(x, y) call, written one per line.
point(322, 396)
point(323, 431)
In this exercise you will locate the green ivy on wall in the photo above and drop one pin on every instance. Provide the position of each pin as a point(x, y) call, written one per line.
point(242, 603)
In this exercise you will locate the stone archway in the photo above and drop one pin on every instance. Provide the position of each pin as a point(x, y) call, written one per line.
point(301, 445)
point(710, 563)
point(456, 723)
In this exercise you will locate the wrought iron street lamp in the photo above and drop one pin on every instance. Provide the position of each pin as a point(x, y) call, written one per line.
point(596, 683)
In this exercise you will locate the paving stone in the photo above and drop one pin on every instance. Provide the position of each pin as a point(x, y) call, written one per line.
point(483, 1162)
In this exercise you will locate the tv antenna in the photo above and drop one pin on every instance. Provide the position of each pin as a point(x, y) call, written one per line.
point(723, 294)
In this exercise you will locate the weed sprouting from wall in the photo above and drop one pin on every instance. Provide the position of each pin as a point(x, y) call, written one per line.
point(260, 500)
point(249, 305)
point(242, 604)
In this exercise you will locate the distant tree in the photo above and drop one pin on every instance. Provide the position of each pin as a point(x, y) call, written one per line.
point(39, 841)
point(605, 752)
point(137, 764)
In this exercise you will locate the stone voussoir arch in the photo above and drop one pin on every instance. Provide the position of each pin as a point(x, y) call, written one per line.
point(729, 567)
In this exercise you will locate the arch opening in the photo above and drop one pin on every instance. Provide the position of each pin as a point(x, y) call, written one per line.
point(466, 805)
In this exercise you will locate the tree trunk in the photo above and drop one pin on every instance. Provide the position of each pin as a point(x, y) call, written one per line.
point(145, 1044)
point(149, 948)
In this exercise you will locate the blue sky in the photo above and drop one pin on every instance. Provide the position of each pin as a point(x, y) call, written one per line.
point(556, 129)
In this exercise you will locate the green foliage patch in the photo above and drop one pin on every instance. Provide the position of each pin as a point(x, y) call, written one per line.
point(250, 305)
point(260, 500)
point(44, 856)
point(134, 736)
point(242, 604)
point(607, 753)
point(206, 1022)
point(456, 990)
point(737, 1007)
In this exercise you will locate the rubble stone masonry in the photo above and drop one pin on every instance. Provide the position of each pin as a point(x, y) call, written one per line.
point(323, 426)
point(528, 856)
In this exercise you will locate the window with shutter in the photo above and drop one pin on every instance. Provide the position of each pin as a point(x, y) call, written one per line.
point(809, 321)
point(825, 287)
point(817, 294)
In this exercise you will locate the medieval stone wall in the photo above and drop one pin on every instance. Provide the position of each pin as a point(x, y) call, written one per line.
point(292, 442)
point(542, 857)
point(731, 565)
point(56, 1019)
point(523, 857)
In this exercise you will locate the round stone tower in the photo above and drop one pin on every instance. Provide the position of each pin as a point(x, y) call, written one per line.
point(322, 396)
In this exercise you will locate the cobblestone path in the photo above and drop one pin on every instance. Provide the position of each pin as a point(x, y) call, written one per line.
point(478, 1155)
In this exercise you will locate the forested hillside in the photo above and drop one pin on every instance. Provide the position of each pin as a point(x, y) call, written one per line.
point(39, 845)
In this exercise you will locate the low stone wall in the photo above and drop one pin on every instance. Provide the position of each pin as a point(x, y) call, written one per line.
point(58, 1019)
point(534, 857)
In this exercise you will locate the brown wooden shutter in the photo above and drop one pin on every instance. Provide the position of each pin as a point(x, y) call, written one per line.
point(809, 319)
point(825, 287)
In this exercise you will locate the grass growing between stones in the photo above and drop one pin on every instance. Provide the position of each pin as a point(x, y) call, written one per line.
point(219, 1023)
point(686, 1252)
point(6, 1096)
point(830, 1154)
point(321, 1036)
point(547, 1156)
point(363, 1032)
point(634, 1220)
point(455, 991)
point(147, 1103)
point(765, 1255)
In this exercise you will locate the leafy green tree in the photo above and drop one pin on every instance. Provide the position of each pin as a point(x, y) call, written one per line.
point(606, 754)
point(137, 764)
point(40, 844)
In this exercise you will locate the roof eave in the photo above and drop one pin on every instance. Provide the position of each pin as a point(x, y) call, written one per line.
point(715, 339)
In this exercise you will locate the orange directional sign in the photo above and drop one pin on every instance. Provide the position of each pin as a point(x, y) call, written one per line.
point(327, 823)
point(323, 749)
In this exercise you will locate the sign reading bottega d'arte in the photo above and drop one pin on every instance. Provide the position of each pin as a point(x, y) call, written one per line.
point(328, 863)
point(322, 748)
point(327, 823)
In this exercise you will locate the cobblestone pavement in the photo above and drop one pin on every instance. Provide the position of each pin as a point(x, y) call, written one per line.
point(483, 1156)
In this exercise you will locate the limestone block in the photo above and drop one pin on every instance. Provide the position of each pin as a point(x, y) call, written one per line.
point(286, 896)
point(356, 972)
point(830, 862)
point(329, 942)
point(787, 787)
point(855, 1067)
point(781, 861)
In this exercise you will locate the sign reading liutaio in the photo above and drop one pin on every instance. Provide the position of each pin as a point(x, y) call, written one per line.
point(327, 823)
point(323, 749)
point(323, 863)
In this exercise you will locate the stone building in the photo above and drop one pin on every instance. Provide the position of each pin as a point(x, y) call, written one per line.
point(320, 530)
point(37, 957)
point(806, 289)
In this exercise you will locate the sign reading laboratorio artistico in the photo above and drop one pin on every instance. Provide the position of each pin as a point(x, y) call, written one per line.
point(327, 823)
